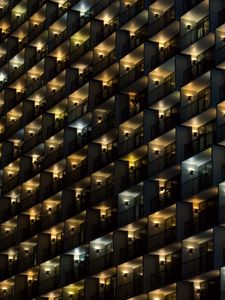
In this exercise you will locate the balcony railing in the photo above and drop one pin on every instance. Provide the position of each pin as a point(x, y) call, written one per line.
point(197, 106)
point(101, 263)
point(164, 54)
point(136, 175)
point(206, 219)
point(197, 69)
point(169, 275)
point(105, 62)
point(130, 289)
point(103, 192)
point(134, 74)
point(131, 11)
point(138, 38)
point(195, 34)
point(103, 126)
point(163, 162)
point(105, 158)
point(162, 238)
point(163, 90)
point(164, 125)
point(202, 142)
point(162, 21)
point(198, 265)
point(163, 200)
point(130, 214)
point(137, 248)
point(131, 143)
point(197, 184)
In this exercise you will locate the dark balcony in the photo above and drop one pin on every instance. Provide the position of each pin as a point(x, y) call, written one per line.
point(8, 239)
point(132, 75)
point(29, 231)
point(166, 123)
point(197, 184)
point(195, 34)
point(49, 284)
point(221, 17)
point(198, 68)
point(165, 53)
point(101, 263)
point(79, 50)
point(169, 195)
point(49, 219)
point(162, 21)
point(107, 91)
point(135, 249)
point(163, 162)
point(78, 271)
point(136, 175)
point(56, 40)
point(198, 265)
point(137, 105)
point(202, 142)
point(188, 5)
point(103, 192)
point(78, 111)
point(131, 143)
point(80, 204)
point(205, 219)
point(76, 174)
point(131, 12)
point(163, 90)
point(105, 62)
point(107, 30)
point(135, 40)
point(162, 238)
point(75, 238)
point(105, 158)
point(202, 103)
point(131, 214)
point(107, 293)
point(103, 126)
point(170, 274)
point(106, 225)
point(130, 289)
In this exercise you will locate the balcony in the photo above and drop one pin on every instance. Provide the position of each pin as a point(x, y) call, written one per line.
point(103, 126)
point(136, 175)
point(104, 63)
point(195, 34)
point(135, 40)
point(75, 238)
point(107, 30)
point(101, 263)
point(202, 103)
point(131, 214)
point(105, 158)
point(163, 90)
point(130, 289)
point(169, 275)
point(162, 21)
point(167, 195)
point(206, 219)
point(197, 184)
point(202, 142)
point(135, 249)
point(78, 271)
point(132, 75)
point(104, 192)
point(198, 68)
point(166, 123)
point(48, 220)
point(198, 265)
point(163, 162)
point(165, 53)
point(131, 143)
point(80, 203)
point(75, 175)
point(162, 238)
point(131, 12)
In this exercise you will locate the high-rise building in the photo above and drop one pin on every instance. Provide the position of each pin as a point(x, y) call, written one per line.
point(112, 136)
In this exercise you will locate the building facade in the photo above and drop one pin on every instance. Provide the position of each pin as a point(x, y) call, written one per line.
point(112, 135)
